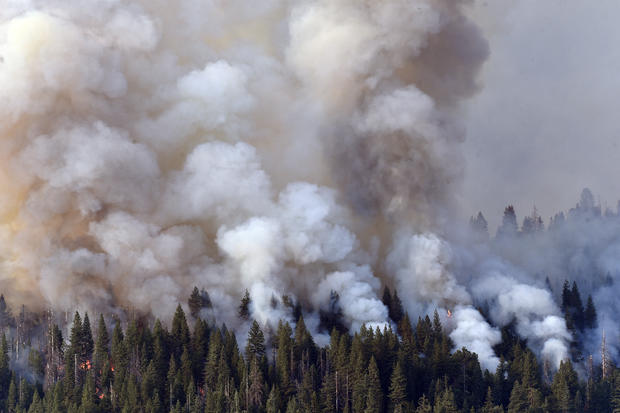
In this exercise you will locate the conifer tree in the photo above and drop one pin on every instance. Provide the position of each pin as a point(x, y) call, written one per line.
point(76, 334)
point(489, 406)
point(509, 225)
point(284, 349)
point(244, 306)
point(257, 386)
point(199, 346)
point(88, 403)
point(12, 397)
point(444, 402)
point(6, 319)
point(256, 343)
point(197, 301)
point(5, 372)
point(180, 332)
point(374, 397)
point(86, 339)
point(102, 343)
point(398, 388)
point(479, 226)
point(273, 401)
point(590, 320)
point(37, 405)
point(424, 405)
point(615, 396)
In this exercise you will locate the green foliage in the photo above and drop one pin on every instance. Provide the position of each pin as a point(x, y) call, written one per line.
point(152, 370)
point(255, 348)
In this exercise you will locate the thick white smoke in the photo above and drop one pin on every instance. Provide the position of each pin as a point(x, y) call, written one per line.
point(581, 246)
point(292, 148)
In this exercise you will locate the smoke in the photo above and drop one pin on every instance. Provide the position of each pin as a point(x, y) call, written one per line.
point(304, 149)
point(533, 309)
point(552, 65)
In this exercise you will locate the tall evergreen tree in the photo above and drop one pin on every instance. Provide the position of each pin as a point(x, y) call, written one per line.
point(374, 398)
point(5, 372)
point(86, 339)
point(76, 334)
point(180, 332)
point(257, 386)
point(197, 301)
point(244, 306)
point(509, 225)
point(479, 226)
point(256, 343)
point(398, 388)
point(590, 319)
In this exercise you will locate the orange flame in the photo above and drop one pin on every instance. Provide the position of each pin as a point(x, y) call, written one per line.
point(449, 314)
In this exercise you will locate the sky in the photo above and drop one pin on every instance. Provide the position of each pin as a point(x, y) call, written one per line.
point(545, 123)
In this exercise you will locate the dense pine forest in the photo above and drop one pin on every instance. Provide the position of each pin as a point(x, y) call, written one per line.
point(198, 366)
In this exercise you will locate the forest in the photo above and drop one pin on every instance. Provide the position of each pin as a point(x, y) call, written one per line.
point(202, 368)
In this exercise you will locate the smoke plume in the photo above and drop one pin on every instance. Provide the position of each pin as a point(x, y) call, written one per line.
point(305, 150)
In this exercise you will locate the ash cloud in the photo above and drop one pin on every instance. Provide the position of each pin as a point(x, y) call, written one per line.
point(294, 148)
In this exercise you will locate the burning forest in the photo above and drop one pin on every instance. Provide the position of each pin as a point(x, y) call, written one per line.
point(261, 204)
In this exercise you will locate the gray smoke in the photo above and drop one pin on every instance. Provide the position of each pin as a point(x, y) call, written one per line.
point(293, 148)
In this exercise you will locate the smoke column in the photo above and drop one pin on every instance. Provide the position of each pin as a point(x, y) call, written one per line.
point(293, 148)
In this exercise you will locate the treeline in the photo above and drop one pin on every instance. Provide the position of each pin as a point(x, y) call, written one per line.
point(586, 209)
point(144, 368)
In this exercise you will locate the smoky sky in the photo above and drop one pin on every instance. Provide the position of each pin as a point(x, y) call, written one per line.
point(545, 123)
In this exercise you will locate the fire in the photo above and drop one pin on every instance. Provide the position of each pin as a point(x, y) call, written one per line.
point(101, 396)
point(449, 314)
point(112, 368)
point(86, 365)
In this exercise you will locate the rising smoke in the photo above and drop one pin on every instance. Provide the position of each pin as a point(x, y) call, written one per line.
point(293, 148)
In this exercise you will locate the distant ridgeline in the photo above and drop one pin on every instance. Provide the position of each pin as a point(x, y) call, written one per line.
point(146, 367)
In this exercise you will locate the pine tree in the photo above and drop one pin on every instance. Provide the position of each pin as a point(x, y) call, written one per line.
point(12, 397)
point(479, 226)
point(328, 393)
point(37, 405)
point(489, 406)
point(424, 406)
point(615, 396)
point(444, 403)
point(398, 388)
point(284, 349)
point(256, 343)
point(197, 301)
point(257, 386)
point(5, 315)
point(244, 306)
point(5, 373)
point(89, 400)
point(199, 346)
point(396, 308)
point(273, 401)
point(577, 305)
point(564, 385)
point(509, 225)
point(86, 339)
point(101, 345)
point(76, 334)
point(360, 387)
point(374, 397)
point(387, 298)
point(179, 332)
point(590, 319)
